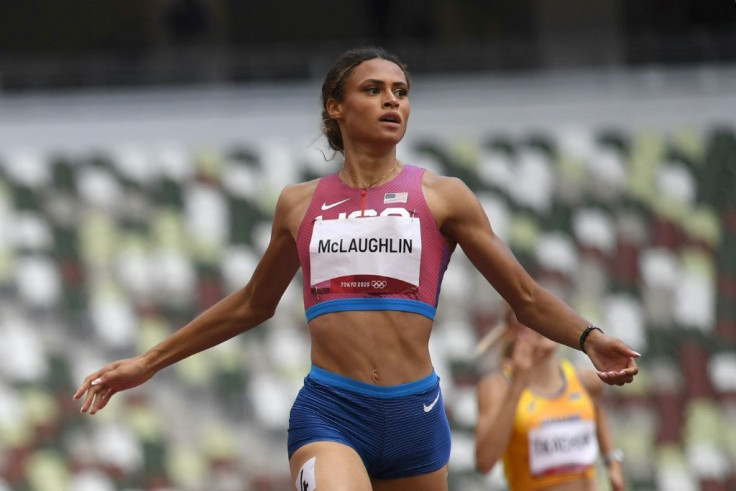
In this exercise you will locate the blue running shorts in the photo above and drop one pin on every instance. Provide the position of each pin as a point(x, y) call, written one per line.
point(398, 431)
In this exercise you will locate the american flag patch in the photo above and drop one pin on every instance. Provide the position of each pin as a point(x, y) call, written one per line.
point(395, 198)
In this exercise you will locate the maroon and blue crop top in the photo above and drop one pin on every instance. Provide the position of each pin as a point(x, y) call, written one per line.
point(371, 249)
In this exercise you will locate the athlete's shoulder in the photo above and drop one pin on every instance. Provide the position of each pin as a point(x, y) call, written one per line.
point(292, 204)
point(448, 196)
point(445, 186)
point(294, 194)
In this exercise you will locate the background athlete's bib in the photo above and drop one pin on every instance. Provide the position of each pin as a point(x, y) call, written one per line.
point(559, 446)
point(366, 254)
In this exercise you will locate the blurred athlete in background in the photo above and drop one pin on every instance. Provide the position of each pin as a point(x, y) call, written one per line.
point(373, 241)
point(542, 417)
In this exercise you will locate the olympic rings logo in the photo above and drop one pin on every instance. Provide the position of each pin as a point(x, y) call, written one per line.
point(378, 284)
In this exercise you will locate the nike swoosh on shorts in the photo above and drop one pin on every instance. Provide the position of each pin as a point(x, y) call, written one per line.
point(428, 408)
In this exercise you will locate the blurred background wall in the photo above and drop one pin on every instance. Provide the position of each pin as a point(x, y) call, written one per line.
point(143, 145)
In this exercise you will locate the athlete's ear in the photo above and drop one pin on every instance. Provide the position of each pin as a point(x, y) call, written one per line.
point(334, 109)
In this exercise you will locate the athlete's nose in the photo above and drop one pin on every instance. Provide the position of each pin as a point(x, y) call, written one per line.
point(391, 102)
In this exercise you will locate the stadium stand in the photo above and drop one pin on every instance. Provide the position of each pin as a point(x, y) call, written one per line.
point(106, 251)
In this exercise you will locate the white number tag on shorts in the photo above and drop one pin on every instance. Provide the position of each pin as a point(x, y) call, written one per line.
point(306, 480)
point(379, 254)
point(562, 445)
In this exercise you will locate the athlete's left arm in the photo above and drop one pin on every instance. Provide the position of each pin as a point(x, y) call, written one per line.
point(594, 387)
point(462, 220)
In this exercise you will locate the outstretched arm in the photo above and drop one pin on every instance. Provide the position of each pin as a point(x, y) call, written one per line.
point(463, 221)
point(233, 315)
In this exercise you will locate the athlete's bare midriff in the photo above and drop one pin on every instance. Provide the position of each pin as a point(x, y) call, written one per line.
point(382, 348)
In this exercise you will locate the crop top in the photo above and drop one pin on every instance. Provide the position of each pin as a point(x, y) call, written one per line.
point(371, 249)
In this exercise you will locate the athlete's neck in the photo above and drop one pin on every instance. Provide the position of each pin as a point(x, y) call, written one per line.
point(545, 375)
point(368, 174)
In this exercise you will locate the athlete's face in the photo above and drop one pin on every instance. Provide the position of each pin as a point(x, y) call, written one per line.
point(538, 342)
point(375, 108)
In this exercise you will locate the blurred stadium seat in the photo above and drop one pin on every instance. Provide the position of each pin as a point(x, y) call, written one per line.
point(112, 250)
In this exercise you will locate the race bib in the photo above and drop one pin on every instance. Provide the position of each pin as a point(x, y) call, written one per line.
point(380, 254)
point(562, 446)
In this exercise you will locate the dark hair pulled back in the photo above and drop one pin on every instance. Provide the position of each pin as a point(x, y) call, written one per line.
point(334, 86)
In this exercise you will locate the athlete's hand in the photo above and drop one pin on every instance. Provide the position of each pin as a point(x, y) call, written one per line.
point(615, 362)
point(526, 353)
point(114, 377)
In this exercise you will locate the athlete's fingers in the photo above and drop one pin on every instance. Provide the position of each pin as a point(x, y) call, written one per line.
point(98, 399)
point(102, 400)
point(620, 377)
point(88, 400)
point(626, 372)
point(93, 396)
point(89, 381)
point(523, 344)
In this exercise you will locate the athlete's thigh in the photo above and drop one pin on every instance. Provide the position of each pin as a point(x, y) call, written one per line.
point(434, 481)
point(328, 466)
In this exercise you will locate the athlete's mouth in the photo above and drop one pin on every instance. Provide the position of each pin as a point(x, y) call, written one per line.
point(390, 118)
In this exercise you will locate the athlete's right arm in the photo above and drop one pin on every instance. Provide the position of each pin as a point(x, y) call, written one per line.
point(236, 313)
point(497, 401)
point(498, 397)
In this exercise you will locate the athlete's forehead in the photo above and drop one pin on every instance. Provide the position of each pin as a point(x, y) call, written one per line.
point(380, 70)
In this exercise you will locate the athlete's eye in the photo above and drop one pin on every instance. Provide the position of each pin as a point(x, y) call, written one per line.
point(401, 93)
point(373, 90)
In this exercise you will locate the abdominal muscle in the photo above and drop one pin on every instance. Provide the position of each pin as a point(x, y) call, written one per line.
point(382, 348)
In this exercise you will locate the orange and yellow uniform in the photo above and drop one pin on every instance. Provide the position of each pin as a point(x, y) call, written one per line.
point(554, 436)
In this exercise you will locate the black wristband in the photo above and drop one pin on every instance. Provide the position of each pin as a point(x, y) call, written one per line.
point(585, 334)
